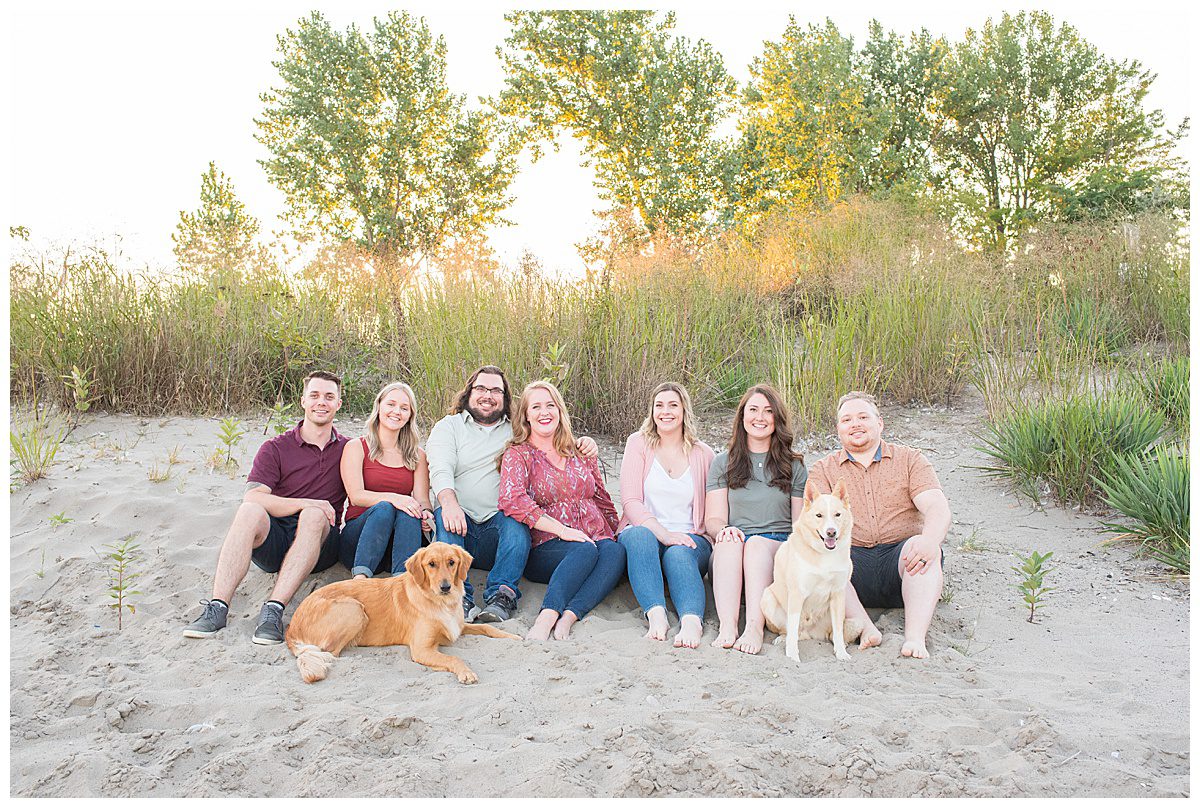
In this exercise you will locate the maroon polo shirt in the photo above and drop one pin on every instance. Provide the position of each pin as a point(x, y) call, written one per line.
point(292, 468)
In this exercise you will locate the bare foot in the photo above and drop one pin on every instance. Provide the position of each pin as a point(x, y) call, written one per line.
point(562, 629)
point(658, 623)
point(915, 649)
point(870, 637)
point(750, 642)
point(542, 625)
point(725, 637)
point(690, 632)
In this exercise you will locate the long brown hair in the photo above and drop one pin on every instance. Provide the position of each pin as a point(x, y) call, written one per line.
point(649, 428)
point(460, 403)
point(409, 437)
point(780, 455)
point(564, 439)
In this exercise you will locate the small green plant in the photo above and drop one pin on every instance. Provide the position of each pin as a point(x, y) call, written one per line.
point(280, 418)
point(558, 370)
point(157, 474)
point(60, 519)
point(973, 544)
point(80, 384)
point(1153, 492)
point(1032, 571)
point(121, 557)
point(230, 435)
point(33, 450)
point(41, 573)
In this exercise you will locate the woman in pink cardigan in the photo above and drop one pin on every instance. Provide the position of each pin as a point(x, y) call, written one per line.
point(663, 474)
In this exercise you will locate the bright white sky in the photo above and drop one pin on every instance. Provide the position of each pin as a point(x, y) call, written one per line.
point(116, 108)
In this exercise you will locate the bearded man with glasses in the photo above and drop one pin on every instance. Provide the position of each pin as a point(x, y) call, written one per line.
point(464, 477)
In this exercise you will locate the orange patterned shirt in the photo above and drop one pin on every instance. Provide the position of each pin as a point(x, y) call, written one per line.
point(881, 495)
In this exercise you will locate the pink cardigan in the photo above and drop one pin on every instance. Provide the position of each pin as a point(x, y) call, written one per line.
point(635, 466)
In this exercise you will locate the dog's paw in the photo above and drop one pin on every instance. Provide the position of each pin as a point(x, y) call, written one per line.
point(842, 655)
point(794, 655)
point(779, 639)
point(467, 677)
point(508, 636)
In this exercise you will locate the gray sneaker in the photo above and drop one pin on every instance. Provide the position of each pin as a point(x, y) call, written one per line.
point(270, 625)
point(470, 610)
point(208, 623)
point(499, 607)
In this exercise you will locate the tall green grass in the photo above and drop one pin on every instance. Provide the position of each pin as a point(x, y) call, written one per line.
point(866, 295)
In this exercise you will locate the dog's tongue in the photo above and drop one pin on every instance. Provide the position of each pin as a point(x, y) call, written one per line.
point(830, 543)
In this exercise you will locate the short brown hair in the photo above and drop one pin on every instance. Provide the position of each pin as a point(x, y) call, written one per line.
point(861, 396)
point(322, 374)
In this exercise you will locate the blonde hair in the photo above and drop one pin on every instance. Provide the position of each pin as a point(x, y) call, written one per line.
point(409, 438)
point(564, 439)
point(858, 395)
point(649, 428)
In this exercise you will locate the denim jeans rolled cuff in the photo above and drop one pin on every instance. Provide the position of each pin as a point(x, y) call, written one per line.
point(650, 563)
point(368, 537)
point(578, 574)
point(499, 544)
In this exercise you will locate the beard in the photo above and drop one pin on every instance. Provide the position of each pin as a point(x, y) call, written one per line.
point(486, 420)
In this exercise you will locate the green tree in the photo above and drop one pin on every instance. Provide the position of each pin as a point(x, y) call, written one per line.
point(906, 85)
point(1034, 110)
point(645, 105)
point(369, 145)
point(218, 237)
point(805, 119)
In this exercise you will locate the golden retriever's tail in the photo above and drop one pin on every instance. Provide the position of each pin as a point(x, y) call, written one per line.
point(312, 661)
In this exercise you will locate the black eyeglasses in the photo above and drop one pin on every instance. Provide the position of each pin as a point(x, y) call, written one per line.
point(479, 390)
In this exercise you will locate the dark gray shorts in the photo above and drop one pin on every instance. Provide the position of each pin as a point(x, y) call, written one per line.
point(268, 556)
point(876, 579)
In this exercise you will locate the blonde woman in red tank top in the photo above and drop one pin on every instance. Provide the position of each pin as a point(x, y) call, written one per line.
point(386, 476)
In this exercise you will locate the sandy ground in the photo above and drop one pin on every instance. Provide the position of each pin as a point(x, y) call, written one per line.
point(1091, 700)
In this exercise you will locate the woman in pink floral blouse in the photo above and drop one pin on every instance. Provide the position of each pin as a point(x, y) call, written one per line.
point(545, 484)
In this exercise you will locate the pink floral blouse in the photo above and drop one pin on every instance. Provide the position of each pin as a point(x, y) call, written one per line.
point(531, 486)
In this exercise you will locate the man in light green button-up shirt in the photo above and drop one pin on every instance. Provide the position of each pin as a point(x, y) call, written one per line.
point(464, 478)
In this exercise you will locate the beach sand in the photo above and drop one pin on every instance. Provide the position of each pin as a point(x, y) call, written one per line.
point(1092, 700)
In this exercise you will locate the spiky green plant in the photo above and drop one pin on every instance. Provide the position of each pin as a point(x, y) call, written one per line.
point(1153, 493)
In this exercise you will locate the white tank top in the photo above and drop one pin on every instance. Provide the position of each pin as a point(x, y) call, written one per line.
point(670, 500)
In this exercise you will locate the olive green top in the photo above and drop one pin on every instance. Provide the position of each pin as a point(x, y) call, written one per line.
point(758, 507)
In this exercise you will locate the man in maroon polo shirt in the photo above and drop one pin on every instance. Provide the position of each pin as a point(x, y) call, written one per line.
point(901, 517)
point(287, 522)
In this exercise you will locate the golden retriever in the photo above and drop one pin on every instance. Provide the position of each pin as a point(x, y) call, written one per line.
point(807, 599)
point(421, 608)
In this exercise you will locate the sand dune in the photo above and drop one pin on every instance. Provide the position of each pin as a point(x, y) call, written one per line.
point(1092, 700)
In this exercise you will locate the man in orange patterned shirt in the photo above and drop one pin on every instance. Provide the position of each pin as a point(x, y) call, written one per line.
point(901, 516)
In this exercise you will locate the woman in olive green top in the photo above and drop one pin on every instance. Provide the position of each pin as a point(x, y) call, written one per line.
point(755, 491)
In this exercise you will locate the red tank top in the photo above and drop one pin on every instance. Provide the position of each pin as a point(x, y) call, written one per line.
point(378, 477)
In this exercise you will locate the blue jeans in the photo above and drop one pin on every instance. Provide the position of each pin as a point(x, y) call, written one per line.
point(579, 573)
point(683, 566)
point(367, 537)
point(499, 544)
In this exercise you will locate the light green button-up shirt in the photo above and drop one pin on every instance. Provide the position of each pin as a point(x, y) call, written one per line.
point(462, 456)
